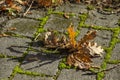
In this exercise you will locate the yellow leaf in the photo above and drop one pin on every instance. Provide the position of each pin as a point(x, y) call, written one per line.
point(72, 34)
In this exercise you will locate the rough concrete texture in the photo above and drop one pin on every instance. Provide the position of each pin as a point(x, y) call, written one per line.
point(29, 54)
point(6, 67)
point(62, 23)
point(101, 19)
point(13, 46)
point(23, 26)
point(28, 77)
point(75, 75)
point(41, 63)
point(113, 74)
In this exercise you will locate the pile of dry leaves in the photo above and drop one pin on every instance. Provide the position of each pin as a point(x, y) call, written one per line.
point(80, 53)
point(17, 6)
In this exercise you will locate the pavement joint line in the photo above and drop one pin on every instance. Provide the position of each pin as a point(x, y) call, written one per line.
point(100, 75)
point(107, 57)
point(2, 55)
point(113, 42)
point(41, 27)
point(14, 72)
point(17, 69)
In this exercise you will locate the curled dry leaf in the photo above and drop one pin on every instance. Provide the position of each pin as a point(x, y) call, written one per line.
point(66, 15)
point(4, 35)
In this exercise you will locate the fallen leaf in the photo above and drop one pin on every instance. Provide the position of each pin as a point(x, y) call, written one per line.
point(12, 28)
point(94, 49)
point(44, 3)
point(72, 34)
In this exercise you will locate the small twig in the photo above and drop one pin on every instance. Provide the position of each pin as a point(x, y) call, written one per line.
point(28, 8)
point(110, 68)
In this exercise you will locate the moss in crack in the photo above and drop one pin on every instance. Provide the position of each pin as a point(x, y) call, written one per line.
point(113, 61)
point(41, 27)
point(83, 18)
point(14, 72)
point(119, 41)
point(57, 74)
point(90, 7)
point(108, 9)
point(6, 56)
point(101, 75)
point(19, 70)
point(63, 65)
point(113, 42)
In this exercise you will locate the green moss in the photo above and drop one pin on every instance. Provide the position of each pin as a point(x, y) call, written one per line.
point(57, 75)
point(118, 41)
point(113, 61)
point(107, 9)
point(14, 72)
point(41, 27)
point(62, 64)
point(83, 17)
point(19, 70)
point(104, 65)
point(113, 42)
point(94, 70)
point(100, 76)
point(6, 56)
point(90, 7)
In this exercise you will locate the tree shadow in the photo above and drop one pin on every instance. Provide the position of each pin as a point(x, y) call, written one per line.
point(16, 49)
point(35, 56)
point(41, 59)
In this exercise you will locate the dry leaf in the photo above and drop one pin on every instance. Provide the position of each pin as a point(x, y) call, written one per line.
point(72, 34)
point(12, 28)
point(4, 35)
point(94, 49)
point(66, 15)
point(45, 3)
point(79, 60)
point(21, 2)
point(50, 38)
point(79, 54)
